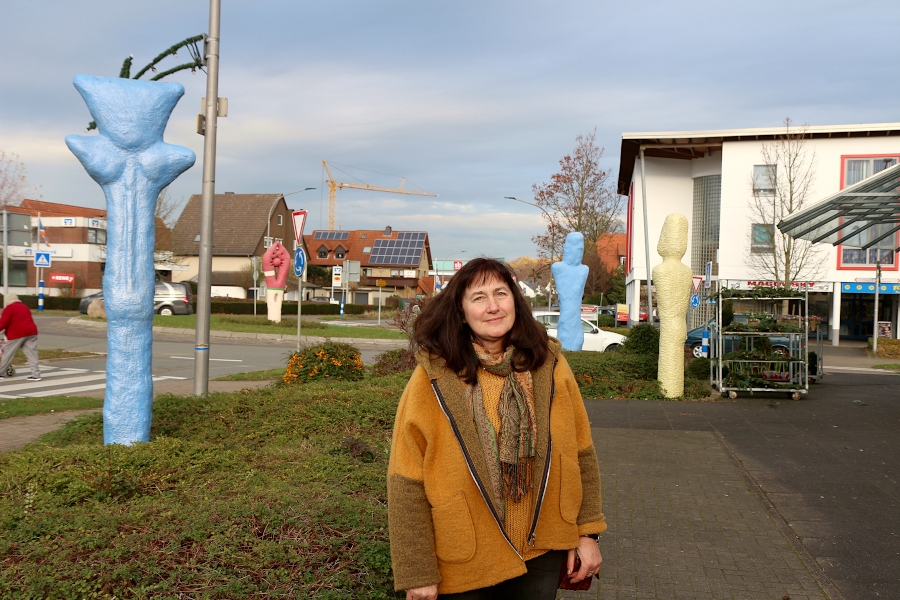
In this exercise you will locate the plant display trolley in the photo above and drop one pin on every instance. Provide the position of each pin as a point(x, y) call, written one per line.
point(768, 350)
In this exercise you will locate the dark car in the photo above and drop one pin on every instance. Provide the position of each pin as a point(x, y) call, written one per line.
point(694, 341)
point(168, 299)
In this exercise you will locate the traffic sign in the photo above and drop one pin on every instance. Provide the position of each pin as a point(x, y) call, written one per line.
point(299, 262)
point(380, 282)
point(336, 272)
point(42, 259)
point(695, 301)
point(299, 217)
point(708, 274)
point(457, 265)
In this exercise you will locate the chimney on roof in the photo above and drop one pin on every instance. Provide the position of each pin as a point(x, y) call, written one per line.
point(387, 231)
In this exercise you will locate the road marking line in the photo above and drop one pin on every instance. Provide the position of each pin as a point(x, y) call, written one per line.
point(38, 384)
point(5, 397)
point(215, 359)
point(68, 391)
point(161, 377)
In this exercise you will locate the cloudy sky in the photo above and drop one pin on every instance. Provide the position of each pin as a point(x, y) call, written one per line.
point(470, 100)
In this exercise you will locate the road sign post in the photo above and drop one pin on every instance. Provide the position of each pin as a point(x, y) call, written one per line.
point(299, 267)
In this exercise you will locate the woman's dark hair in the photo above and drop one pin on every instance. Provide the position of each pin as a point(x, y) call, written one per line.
point(441, 331)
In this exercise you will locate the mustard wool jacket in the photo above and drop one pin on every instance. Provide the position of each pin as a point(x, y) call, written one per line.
point(444, 527)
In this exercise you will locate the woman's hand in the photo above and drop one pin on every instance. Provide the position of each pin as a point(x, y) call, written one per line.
point(590, 559)
point(429, 592)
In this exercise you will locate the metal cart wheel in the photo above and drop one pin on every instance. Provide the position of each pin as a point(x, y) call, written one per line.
point(10, 371)
point(732, 395)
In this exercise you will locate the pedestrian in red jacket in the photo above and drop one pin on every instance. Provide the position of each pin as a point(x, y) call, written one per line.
point(21, 332)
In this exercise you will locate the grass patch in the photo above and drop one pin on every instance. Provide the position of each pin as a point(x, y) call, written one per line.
point(251, 494)
point(888, 367)
point(259, 324)
point(22, 407)
point(887, 347)
point(264, 375)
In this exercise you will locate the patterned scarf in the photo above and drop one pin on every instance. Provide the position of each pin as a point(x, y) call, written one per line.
point(509, 451)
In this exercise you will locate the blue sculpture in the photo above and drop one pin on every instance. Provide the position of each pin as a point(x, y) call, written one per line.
point(132, 163)
point(570, 276)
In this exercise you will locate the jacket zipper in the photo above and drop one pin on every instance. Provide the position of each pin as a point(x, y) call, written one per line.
point(478, 483)
point(545, 476)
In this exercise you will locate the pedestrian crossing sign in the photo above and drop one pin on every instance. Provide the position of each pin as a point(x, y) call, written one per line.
point(42, 259)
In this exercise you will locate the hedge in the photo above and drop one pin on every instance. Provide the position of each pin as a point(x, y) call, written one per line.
point(51, 302)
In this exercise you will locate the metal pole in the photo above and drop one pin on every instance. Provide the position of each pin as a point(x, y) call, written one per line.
point(201, 338)
point(379, 306)
point(299, 307)
point(646, 248)
point(5, 253)
point(877, 285)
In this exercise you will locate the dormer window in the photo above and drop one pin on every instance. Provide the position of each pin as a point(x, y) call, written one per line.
point(340, 252)
point(322, 252)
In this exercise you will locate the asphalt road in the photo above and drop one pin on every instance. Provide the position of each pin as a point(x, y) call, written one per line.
point(173, 355)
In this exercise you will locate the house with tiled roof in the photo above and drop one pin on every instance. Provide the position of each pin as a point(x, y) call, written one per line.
point(240, 226)
point(611, 248)
point(399, 260)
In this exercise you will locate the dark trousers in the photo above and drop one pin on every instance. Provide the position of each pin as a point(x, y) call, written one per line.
point(539, 583)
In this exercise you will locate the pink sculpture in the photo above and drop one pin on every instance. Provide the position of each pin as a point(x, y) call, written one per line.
point(276, 257)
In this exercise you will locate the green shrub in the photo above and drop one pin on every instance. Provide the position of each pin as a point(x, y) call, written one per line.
point(606, 321)
point(400, 360)
point(51, 302)
point(698, 368)
point(331, 360)
point(644, 339)
point(727, 312)
point(615, 374)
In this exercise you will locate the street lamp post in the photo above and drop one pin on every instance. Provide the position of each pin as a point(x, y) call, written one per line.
point(436, 269)
point(274, 204)
point(552, 245)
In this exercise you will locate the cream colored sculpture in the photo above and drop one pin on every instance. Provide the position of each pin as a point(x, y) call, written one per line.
point(672, 281)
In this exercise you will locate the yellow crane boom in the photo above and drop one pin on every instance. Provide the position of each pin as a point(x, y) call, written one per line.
point(333, 186)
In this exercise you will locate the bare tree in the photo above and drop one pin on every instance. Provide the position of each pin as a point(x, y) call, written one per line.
point(781, 187)
point(581, 197)
point(14, 184)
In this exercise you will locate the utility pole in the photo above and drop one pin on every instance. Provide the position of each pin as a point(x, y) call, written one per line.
point(211, 113)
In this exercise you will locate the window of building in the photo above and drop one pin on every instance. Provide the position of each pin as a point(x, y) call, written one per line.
point(362, 236)
point(280, 220)
point(340, 252)
point(762, 237)
point(395, 273)
point(367, 249)
point(96, 236)
point(764, 179)
point(367, 272)
point(323, 253)
point(18, 273)
point(851, 255)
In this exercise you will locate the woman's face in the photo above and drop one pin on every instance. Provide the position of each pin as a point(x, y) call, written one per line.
point(489, 310)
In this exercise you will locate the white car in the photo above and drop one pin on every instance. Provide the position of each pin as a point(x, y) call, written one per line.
point(595, 339)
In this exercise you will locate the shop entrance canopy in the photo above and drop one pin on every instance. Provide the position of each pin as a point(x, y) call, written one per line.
point(851, 212)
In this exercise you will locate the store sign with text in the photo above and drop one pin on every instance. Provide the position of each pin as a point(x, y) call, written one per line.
point(810, 286)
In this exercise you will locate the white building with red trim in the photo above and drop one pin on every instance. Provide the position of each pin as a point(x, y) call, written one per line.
point(709, 177)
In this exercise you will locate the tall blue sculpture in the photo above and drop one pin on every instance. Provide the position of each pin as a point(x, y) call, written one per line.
point(132, 163)
point(570, 276)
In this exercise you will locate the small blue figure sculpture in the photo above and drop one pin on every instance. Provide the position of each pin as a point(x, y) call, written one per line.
point(132, 163)
point(570, 276)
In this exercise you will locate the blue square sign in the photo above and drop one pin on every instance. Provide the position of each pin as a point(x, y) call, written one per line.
point(42, 259)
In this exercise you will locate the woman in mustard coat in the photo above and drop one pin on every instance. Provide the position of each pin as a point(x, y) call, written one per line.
point(493, 482)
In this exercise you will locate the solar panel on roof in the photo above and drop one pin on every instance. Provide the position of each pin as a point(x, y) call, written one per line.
point(331, 235)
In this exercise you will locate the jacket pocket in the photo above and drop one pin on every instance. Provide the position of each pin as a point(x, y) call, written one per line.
point(454, 532)
point(570, 491)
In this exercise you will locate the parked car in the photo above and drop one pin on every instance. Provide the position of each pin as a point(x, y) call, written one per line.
point(595, 339)
point(168, 299)
point(694, 341)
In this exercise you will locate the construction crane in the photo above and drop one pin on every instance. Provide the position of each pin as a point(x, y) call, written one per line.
point(333, 187)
